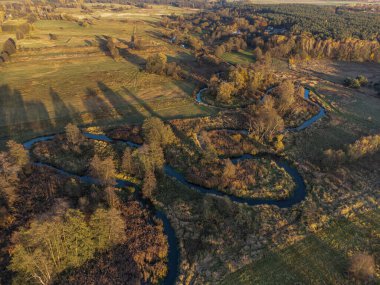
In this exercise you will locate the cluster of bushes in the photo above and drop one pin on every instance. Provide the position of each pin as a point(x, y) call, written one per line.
point(184, 38)
point(23, 30)
point(283, 103)
point(158, 64)
point(230, 143)
point(9, 48)
point(357, 82)
point(241, 82)
point(131, 133)
point(249, 178)
point(233, 44)
point(363, 147)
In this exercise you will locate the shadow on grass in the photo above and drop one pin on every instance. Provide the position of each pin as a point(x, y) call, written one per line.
point(142, 103)
point(18, 116)
point(96, 106)
point(61, 110)
point(320, 258)
point(132, 58)
point(120, 104)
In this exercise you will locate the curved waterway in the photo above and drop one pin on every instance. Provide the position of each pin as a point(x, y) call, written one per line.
point(306, 96)
point(296, 197)
point(173, 254)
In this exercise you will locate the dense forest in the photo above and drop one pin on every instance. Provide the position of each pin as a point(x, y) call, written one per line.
point(322, 21)
point(283, 31)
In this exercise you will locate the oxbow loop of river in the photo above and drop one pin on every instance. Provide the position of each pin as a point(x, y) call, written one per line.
point(306, 96)
point(297, 196)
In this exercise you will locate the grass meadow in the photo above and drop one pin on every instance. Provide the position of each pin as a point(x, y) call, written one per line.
point(320, 258)
point(50, 83)
point(243, 57)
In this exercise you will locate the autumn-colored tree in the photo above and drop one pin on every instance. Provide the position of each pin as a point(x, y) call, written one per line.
point(127, 161)
point(286, 96)
point(229, 171)
point(225, 91)
point(265, 122)
point(156, 63)
point(219, 51)
point(73, 135)
point(18, 154)
point(238, 77)
point(112, 48)
point(111, 196)
point(49, 247)
point(149, 157)
point(108, 228)
point(258, 53)
point(104, 170)
point(149, 185)
point(156, 132)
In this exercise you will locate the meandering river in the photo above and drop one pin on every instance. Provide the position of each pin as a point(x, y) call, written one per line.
point(297, 196)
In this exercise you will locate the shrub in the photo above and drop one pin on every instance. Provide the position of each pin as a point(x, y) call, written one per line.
point(362, 266)
point(156, 63)
point(363, 81)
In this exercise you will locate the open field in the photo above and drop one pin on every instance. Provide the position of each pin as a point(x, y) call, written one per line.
point(52, 82)
point(320, 258)
point(241, 57)
point(351, 113)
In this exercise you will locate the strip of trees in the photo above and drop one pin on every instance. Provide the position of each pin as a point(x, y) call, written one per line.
point(363, 147)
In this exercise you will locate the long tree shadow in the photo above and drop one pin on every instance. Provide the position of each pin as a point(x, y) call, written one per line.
point(62, 112)
point(102, 43)
point(132, 58)
point(97, 106)
point(142, 103)
point(120, 104)
point(13, 113)
point(38, 116)
point(320, 258)
point(18, 117)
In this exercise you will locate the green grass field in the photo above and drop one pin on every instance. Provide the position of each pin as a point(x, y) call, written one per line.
point(320, 258)
point(243, 57)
